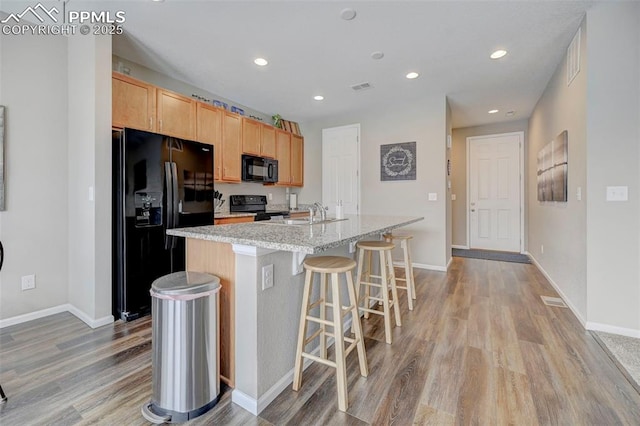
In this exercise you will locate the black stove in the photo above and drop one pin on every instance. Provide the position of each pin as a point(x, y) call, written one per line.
point(253, 204)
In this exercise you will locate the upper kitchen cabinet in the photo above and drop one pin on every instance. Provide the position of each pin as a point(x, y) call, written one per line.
point(290, 156)
point(283, 155)
point(258, 139)
point(268, 141)
point(250, 137)
point(231, 147)
point(209, 130)
point(297, 160)
point(134, 103)
point(176, 115)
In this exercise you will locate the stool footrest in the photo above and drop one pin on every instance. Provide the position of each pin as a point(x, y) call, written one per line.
point(319, 321)
point(313, 336)
point(318, 359)
point(353, 345)
point(314, 304)
point(367, 283)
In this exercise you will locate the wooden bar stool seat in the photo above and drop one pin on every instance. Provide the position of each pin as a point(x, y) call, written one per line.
point(386, 284)
point(409, 280)
point(333, 265)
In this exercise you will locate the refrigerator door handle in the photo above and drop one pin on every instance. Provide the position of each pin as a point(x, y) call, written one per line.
point(176, 197)
point(168, 183)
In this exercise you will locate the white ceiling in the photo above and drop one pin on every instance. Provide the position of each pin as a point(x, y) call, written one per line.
point(311, 50)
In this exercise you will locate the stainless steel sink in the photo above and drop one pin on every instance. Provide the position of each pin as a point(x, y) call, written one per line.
point(300, 222)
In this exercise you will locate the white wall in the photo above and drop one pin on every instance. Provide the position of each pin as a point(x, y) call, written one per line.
point(561, 227)
point(33, 87)
point(423, 121)
point(89, 151)
point(613, 142)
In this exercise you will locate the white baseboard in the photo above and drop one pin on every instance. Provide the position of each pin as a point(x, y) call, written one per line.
point(19, 319)
point(93, 323)
point(629, 332)
point(254, 406)
point(429, 267)
point(455, 246)
point(557, 288)
point(449, 262)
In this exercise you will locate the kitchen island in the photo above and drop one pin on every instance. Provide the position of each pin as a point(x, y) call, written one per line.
point(259, 309)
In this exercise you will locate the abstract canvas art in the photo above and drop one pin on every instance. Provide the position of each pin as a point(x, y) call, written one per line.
point(553, 167)
point(1, 158)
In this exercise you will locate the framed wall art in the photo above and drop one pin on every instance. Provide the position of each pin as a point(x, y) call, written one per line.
point(398, 161)
point(2, 121)
point(553, 169)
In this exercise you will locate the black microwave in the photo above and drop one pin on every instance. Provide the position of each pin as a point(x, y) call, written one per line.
point(258, 169)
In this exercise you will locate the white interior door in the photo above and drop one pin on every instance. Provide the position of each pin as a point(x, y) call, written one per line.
point(341, 168)
point(495, 192)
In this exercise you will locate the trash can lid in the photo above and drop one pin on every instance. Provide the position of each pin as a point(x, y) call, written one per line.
point(185, 282)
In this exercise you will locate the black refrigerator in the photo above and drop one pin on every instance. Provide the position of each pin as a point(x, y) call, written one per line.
point(159, 183)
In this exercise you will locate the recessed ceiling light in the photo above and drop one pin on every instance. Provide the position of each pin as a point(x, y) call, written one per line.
point(498, 54)
point(318, 97)
point(412, 75)
point(260, 61)
point(377, 55)
point(492, 111)
point(348, 14)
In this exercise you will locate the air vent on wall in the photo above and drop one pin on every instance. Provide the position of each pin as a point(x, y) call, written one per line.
point(553, 301)
point(573, 58)
point(361, 86)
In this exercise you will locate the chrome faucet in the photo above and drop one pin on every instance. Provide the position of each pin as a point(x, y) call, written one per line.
point(312, 212)
point(322, 210)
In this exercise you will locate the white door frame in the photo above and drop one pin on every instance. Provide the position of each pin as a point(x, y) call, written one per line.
point(522, 195)
point(358, 183)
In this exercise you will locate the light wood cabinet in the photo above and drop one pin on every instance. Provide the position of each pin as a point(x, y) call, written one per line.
point(209, 130)
point(133, 103)
point(258, 139)
point(143, 106)
point(176, 115)
point(290, 156)
point(268, 141)
point(251, 137)
point(231, 147)
point(297, 160)
point(230, 220)
point(283, 155)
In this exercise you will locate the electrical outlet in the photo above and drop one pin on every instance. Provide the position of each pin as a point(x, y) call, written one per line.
point(28, 282)
point(432, 196)
point(270, 196)
point(267, 276)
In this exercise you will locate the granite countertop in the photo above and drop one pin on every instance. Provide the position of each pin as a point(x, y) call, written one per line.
point(310, 239)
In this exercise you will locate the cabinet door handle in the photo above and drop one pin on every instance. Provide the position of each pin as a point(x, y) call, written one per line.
point(160, 124)
point(150, 122)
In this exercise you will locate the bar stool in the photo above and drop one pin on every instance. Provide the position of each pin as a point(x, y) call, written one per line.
point(387, 282)
point(409, 280)
point(333, 265)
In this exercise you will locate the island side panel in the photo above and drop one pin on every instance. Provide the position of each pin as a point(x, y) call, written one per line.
point(218, 259)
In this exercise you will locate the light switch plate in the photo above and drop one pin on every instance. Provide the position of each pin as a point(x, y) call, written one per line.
point(617, 193)
point(433, 196)
point(453, 197)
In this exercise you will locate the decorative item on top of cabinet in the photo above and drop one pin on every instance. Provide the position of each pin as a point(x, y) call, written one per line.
point(133, 103)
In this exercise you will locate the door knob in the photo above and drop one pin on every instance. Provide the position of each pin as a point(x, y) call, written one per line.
point(473, 210)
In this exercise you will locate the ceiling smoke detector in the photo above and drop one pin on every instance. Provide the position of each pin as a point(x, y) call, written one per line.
point(361, 86)
point(348, 14)
point(377, 55)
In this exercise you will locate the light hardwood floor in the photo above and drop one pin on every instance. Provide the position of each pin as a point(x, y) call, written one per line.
point(479, 348)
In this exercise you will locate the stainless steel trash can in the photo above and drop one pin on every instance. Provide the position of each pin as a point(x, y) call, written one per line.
point(185, 347)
